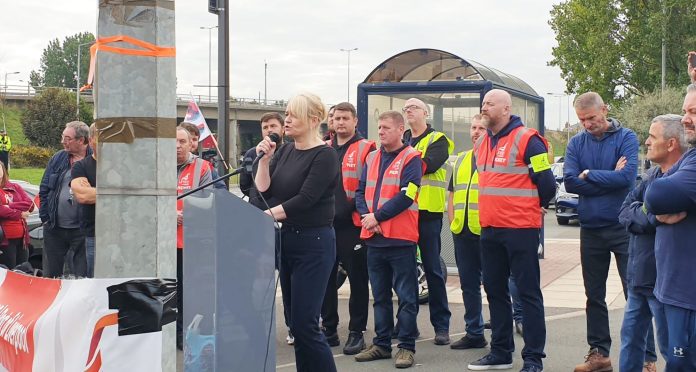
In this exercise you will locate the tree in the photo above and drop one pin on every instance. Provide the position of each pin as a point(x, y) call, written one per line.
point(46, 115)
point(613, 47)
point(59, 62)
point(637, 113)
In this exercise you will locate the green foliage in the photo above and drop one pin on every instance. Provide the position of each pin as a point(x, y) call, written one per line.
point(22, 156)
point(613, 47)
point(638, 112)
point(14, 127)
point(47, 114)
point(59, 62)
point(31, 175)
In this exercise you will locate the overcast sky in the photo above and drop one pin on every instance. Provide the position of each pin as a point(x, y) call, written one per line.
point(301, 41)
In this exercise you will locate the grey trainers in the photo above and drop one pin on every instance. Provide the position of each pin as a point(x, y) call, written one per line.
point(404, 358)
point(373, 352)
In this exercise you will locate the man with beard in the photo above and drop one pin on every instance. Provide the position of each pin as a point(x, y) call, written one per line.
point(515, 182)
point(672, 199)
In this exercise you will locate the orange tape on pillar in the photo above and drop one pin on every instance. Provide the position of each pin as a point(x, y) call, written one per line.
point(148, 50)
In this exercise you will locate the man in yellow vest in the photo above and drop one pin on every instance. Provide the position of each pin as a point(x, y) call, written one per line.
point(463, 212)
point(5, 147)
point(435, 149)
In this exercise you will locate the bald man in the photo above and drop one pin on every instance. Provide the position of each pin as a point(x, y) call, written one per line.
point(435, 149)
point(515, 184)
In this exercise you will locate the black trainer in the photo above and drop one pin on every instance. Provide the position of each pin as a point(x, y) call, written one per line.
point(469, 342)
point(354, 344)
point(331, 337)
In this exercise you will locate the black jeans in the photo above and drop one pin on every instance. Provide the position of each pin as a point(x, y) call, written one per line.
point(507, 251)
point(306, 258)
point(429, 241)
point(596, 246)
point(14, 253)
point(354, 261)
point(64, 247)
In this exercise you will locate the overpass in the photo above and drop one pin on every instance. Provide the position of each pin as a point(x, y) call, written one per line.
point(243, 129)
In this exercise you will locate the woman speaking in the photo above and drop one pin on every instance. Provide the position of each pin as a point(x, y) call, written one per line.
point(302, 176)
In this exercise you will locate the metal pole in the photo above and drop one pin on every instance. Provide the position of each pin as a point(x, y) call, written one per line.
point(265, 87)
point(664, 46)
point(210, 64)
point(77, 83)
point(348, 87)
point(223, 88)
point(568, 119)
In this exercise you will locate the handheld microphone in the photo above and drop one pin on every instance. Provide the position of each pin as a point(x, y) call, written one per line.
point(275, 138)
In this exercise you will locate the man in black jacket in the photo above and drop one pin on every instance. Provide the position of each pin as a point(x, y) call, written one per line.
point(271, 122)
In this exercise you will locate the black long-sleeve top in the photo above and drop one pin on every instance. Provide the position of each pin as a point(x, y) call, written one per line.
point(303, 181)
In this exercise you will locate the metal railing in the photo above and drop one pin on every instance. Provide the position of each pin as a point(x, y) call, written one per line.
point(28, 92)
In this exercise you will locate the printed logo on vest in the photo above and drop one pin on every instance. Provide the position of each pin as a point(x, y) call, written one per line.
point(500, 154)
point(395, 168)
point(350, 160)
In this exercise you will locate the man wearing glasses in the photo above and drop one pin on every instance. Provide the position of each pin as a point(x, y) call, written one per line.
point(435, 149)
point(64, 242)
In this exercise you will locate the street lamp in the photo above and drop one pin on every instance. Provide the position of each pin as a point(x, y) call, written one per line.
point(77, 77)
point(561, 95)
point(210, 57)
point(348, 50)
point(5, 97)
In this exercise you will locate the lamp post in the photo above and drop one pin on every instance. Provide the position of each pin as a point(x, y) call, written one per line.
point(348, 87)
point(4, 97)
point(560, 96)
point(210, 58)
point(77, 78)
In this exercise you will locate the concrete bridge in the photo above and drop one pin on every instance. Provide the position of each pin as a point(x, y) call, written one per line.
point(243, 129)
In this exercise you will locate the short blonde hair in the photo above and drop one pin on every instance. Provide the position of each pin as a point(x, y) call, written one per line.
point(305, 107)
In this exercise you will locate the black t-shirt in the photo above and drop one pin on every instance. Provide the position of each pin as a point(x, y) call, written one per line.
point(87, 167)
point(303, 181)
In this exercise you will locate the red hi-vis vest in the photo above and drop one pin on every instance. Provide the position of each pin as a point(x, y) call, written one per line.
point(189, 178)
point(507, 196)
point(405, 225)
point(352, 167)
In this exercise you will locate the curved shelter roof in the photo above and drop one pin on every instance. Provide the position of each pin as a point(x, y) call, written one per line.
point(426, 65)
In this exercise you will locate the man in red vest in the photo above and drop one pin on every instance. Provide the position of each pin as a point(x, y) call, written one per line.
point(191, 172)
point(515, 182)
point(352, 151)
point(387, 201)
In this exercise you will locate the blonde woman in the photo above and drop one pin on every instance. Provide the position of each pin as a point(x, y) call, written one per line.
point(302, 176)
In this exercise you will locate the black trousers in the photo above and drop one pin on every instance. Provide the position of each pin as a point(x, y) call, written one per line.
point(180, 293)
point(354, 261)
point(14, 253)
point(5, 159)
point(596, 246)
point(64, 247)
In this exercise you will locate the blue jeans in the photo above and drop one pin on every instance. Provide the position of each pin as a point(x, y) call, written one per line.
point(637, 339)
point(429, 242)
point(516, 301)
point(89, 246)
point(467, 253)
point(397, 266)
point(681, 330)
point(306, 258)
point(505, 251)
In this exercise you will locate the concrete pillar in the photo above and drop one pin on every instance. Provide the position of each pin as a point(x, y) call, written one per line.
point(135, 109)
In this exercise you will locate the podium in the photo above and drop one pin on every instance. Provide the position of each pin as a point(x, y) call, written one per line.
point(229, 284)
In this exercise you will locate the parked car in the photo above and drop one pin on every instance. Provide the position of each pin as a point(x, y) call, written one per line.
point(566, 206)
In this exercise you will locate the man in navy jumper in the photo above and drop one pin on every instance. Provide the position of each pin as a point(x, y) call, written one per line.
point(515, 182)
point(665, 145)
point(672, 199)
point(391, 262)
point(601, 166)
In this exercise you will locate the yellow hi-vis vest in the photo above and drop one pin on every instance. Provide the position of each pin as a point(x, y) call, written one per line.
point(5, 143)
point(465, 200)
point(431, 196)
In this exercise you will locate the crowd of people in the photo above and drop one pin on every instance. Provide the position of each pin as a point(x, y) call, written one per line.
point(344, 199)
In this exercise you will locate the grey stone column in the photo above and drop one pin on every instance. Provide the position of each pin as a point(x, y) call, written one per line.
point(135, 109)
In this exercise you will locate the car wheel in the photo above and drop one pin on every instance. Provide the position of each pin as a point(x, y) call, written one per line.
point(562, 220)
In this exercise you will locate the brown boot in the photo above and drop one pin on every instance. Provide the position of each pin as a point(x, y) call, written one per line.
point(595, 362)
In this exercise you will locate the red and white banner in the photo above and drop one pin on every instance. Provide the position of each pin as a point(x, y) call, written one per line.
point(195, 117)
point(66, 325)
